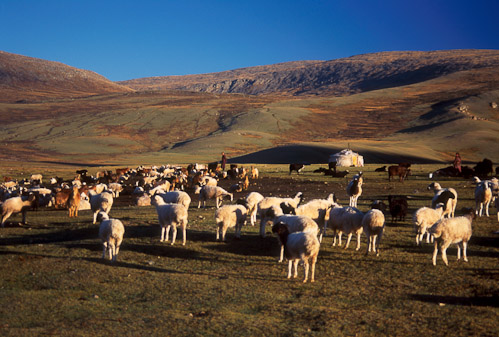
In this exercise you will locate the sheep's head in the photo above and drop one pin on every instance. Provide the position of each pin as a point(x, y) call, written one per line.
point(102, 216)
point(280, 228)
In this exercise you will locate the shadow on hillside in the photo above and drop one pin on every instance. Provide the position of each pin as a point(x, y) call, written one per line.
point(310, 154)
point(482, 301)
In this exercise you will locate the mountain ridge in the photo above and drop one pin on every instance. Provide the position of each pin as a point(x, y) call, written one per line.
point(337, 77)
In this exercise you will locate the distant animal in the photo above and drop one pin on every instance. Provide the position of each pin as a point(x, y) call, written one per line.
point(483, 168)
point(400, 171)
point(380, 169)
point(398, 207)
point(296, 167)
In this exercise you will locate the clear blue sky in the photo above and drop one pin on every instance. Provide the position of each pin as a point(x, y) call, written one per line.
point(130, 39)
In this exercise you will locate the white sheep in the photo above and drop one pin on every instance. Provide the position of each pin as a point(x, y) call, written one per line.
point(143, 200)
point(17, 205)
point(100, 202)
point(373, 224)
point(423, 219)
point(354, 189)
point(449, 231)
point(170, 215)
point(111, 233)
point(447, 196)
point(252, 200)
point(302, 246)
point(209, 181)
point(176, 197)
point(347, 220)
point(483, 197)
point(213, 192)
point(229, 216)
point(267, 203)
point(317, 209)
point(296, 223)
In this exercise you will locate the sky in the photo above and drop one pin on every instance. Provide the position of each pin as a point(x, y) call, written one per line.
point(124, 39)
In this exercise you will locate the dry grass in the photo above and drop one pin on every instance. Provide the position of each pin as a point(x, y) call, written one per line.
point(53, 280)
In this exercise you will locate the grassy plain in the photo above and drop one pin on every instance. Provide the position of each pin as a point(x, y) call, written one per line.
point(54, 282)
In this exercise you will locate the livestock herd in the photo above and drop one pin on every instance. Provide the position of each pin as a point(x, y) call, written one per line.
point(300, 228)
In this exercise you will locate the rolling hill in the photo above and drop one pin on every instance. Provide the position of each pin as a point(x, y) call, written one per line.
point(26, 79)
point(422, 106)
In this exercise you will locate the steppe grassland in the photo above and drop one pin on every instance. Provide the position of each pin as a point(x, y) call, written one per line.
point(54, 281)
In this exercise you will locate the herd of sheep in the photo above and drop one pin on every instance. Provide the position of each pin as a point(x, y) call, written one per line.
point(299, 227)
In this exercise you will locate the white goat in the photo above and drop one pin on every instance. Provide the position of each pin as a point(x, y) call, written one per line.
point(296, 223)
point(170, 215)
point(346, 220)
point(483, 197)
point(423, 219)
point(115, 189)
point(373, 224)
point(100, 202)
point(17, 205)
point(446, 196)
point(229, 216)
point(449, 231)
point(213, 192)
point(354, 189)
point(111, 233)
point(267, 203)
point(302, 246)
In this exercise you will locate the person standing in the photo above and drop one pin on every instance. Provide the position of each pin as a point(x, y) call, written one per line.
point(224, 161)
point(457, 162)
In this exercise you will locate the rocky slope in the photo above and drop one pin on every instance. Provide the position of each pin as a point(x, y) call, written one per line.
point(336, 77)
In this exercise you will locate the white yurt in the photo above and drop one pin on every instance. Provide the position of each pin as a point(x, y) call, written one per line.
point(347, 158)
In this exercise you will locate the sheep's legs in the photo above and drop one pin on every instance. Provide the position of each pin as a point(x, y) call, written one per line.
point(465, 245)
point(174, 234)
point(305, 266)
point(435, 252)
point(443, 248)
point(349, 237)
point(104, 248)
point(6, 216)
point(281, 257)
point(110, 250)
point(295, 264)
point(358, 241)
point(312, 275)
point(290, 266)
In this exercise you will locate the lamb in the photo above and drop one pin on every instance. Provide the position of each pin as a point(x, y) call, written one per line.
point(17, 205)
point(423, 219)
point(296, 223)
point(346, 220)
point(298, 246)
point(452, 230)
point(317, 209)
point(170, 215)
point(177, 197)
point(100, 202)
point(268, 202)
point(111, 233)
point(373, 224)
point(252, 200)
point(354, 189)
point(229, 216)
point(254, 173)
point(483, 197)
point(447, 196)
point(213, 192)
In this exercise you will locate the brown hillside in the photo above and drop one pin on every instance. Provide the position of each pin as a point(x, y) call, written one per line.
point(336, 77)
point(26, 79)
